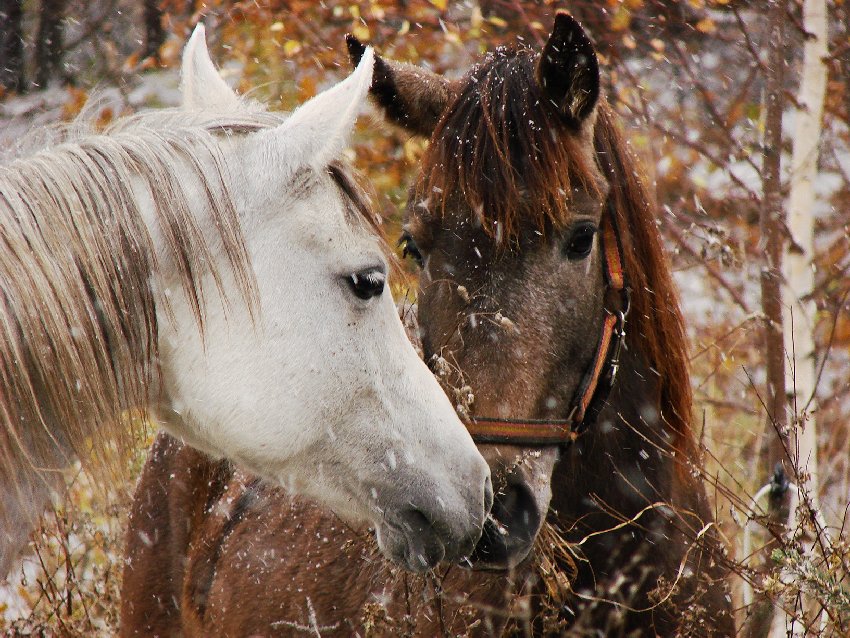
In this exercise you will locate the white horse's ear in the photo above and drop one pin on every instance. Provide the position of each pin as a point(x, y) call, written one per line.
point(319, 130)
point(202, 86)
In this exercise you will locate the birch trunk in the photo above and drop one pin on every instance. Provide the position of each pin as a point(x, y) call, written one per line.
point(799, 308)
point(799, 274)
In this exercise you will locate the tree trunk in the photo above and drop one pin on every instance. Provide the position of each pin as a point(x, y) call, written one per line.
point(799, 275)
point(48, 43)
point(154, 35)
point(11, 45)
point(799, 308)
point(771, 225)
point(844, 57)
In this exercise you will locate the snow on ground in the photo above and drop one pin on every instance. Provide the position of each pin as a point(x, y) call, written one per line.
point(25, 117)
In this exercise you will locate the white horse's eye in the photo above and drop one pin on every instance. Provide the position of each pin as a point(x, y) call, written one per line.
point(367, 283)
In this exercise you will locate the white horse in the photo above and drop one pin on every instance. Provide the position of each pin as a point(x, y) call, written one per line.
point(216, 266)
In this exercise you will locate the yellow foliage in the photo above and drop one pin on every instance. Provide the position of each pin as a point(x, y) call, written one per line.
point(622, 19)
point(706, 25)
point(291, 47)
point(77, 99)
point(361, 32)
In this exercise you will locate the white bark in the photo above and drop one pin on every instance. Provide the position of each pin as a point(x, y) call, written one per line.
point(800, 312)
point(799, 273)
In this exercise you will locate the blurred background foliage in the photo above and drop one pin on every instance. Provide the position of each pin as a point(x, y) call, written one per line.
point(688, 77)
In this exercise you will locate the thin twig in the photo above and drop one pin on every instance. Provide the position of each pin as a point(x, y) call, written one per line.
point(709, 267)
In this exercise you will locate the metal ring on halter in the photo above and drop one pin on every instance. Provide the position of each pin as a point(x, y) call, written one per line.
point(620, 335)
point(627, 295)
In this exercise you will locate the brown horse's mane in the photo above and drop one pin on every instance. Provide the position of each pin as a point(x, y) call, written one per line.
point(656, 315)
point(515, 162)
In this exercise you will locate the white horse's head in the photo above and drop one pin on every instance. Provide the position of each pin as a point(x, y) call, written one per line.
point(323, 393)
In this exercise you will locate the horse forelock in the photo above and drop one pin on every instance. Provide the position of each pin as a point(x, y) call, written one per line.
point(78, 321)
point(358, 199)
point(502, 152)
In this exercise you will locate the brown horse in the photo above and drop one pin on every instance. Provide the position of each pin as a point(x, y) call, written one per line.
point(537, 243)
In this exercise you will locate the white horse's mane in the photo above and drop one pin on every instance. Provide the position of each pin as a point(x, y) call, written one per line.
point(134, 263)
point(78, 326)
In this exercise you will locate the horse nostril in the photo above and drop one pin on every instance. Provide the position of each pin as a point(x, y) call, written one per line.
point(415, 521)
point(515, 509)
point(510, 529)
point(425, 540)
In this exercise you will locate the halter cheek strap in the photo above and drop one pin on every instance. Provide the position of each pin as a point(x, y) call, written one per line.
point(597, 381)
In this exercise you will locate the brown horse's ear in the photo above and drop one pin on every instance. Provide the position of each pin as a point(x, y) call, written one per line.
point(410, 96)
point(568, 71)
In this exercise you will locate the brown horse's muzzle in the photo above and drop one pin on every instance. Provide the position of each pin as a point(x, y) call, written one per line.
point(522, 480)
point(509, 532)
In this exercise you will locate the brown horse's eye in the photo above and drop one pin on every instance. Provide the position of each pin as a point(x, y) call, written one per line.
point(410, 249)
point(580, 242)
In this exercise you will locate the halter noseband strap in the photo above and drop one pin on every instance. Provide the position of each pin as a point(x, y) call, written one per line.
point(599, 378)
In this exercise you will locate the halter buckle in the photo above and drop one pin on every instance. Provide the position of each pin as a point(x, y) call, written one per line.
point(619, 336)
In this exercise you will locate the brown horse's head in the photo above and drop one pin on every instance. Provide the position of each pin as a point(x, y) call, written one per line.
point(504, 221)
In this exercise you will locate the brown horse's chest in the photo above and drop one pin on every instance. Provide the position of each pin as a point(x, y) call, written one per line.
point(286, 566)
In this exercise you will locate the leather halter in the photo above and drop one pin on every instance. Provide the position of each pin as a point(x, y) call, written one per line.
point(597, 381)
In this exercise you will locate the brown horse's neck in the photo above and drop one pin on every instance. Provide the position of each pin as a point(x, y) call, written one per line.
point(630, 434)
point(627, 468)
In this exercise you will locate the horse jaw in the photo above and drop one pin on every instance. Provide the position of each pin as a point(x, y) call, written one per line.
point(201, 85)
